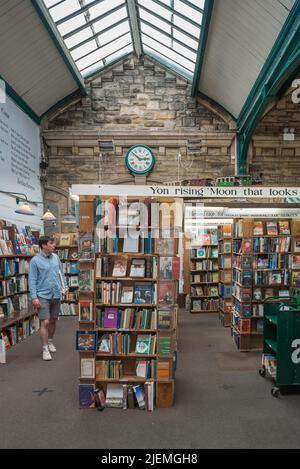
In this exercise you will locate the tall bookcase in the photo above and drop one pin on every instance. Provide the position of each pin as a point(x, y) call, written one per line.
point(204, 276)
point(262, 268)
point(127, 307)
point(18, 320)
point(225, 273)
point(67, 251)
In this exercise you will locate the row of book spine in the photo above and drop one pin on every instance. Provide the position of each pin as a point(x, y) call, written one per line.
point(205, 265)
point(13, 285)
point(130, 318)
point(14, 334)
point(124, 343)
point(13, 267)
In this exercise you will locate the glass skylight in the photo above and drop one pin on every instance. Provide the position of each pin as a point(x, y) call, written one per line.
point(98, 32)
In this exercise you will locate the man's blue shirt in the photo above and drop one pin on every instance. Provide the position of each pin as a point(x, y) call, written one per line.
point(45, 273)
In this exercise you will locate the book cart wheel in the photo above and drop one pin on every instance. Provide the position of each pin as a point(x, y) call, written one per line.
point(262, 372)
point(275, 392)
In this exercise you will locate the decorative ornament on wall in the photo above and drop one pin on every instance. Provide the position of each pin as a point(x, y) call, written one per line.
point(140, 159)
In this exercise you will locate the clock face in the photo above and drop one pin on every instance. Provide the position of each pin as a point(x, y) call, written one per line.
point(140, 159)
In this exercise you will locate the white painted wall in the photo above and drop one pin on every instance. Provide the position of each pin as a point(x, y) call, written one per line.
point(19, 164)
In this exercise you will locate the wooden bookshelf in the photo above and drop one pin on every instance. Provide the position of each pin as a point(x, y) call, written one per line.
point(69, 303)
point(17, 320)
point(262, 268)
point(151, 324)
point(225, 234)
point(204, 274)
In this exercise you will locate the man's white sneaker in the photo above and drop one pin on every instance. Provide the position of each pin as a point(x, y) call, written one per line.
point(51, 348)
point(46, 355)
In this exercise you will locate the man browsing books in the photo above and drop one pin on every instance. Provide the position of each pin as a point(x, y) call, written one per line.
point(46, 284)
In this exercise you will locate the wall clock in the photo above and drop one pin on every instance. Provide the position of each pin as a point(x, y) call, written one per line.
point(140, 159)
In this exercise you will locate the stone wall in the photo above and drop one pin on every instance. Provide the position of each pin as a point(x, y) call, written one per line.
point(276, 143)
point(137, 101)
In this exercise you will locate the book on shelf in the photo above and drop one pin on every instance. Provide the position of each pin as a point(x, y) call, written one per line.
point(143, 293)
point(144, 344)
point(257, 294)
point(297, 245)
point(120, 267)
point(85, 310)
point(284, 227)
point(164, 319)
point(86, 246)
point(137, 268)
point(110, 318)
point(73, 282)
point(105, 343)
point(201, 253)
point(86, 340)
point(296, 279)
point(296, 262)
point(86, 396)
point(127, 295)
point(272, 229)
point(165, 246)
point(143, 369)
point(214, 291)
point(258, 228)
point(164, 345)
point(87, 368)
point(114, 395)
point(163, 370)
point(140, 396)
point(169, 268)
point(86, 280)
point(65, 240)
point(166, 293)
point(246, 245)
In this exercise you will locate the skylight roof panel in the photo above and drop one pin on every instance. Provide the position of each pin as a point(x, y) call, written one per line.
point(64, 9)
point(72, 24)
point(110, 19)
point(79, 37)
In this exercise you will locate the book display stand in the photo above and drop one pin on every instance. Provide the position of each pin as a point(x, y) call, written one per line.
point(204, 275)
point(225, 274)
point(128, 275)
point(264, 266)
point(67, 251)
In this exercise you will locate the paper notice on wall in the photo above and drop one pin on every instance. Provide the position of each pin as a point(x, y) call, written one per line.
point(19, 152)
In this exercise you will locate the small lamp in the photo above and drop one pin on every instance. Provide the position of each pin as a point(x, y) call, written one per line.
point(24, 209)
point(48, 216)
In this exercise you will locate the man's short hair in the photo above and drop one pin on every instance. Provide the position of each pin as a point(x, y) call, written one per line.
point(44, 240)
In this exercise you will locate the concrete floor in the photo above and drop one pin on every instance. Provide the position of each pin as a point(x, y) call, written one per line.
point(220, 402)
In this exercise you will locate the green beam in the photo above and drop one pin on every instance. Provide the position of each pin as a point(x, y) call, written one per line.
point(59, 43)
point(135, 29)
point(281, 64)
point(207, 14)
point(21, 103)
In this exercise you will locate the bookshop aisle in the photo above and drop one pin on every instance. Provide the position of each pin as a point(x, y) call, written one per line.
point(220, 400)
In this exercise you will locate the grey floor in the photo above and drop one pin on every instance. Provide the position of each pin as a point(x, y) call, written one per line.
point(220, 402)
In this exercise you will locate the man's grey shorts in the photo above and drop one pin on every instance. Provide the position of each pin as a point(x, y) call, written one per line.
point(49, 309)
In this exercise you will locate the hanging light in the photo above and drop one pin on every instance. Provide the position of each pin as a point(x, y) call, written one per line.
point(48, 216)
point(69, 219)
point(24, 209)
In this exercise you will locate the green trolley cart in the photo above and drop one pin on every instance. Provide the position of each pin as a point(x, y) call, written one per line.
point(281, 353)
